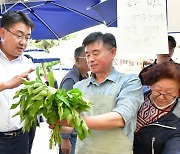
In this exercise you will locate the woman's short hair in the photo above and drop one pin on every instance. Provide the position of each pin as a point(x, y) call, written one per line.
point(165, 70)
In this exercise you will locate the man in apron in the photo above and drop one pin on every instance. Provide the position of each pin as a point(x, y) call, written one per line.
point(116, 97)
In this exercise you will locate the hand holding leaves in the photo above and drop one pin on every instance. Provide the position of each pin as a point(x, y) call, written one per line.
point(36, 98)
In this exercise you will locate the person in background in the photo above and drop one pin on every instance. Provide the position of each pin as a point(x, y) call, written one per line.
point(15, 32)
point(158, 123)
point(116, 99)
point(77, 73)
point(161, 57)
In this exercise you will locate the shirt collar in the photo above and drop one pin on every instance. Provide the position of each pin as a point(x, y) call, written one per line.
point(111, 77)
point(18, 58)
point(2, 53)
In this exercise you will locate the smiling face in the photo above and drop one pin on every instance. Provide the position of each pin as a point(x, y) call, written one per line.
point(165, 91)
point(100, 57)
point(14, 39)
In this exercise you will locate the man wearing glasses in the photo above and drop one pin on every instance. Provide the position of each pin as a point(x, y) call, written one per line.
point(15, 33)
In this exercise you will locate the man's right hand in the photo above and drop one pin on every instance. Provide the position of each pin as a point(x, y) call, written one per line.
point(15, 81)
point(66, 146)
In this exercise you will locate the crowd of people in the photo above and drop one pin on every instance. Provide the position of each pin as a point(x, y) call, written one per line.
point(130, 113)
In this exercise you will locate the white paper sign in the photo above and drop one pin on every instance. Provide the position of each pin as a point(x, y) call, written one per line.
point(142, 26)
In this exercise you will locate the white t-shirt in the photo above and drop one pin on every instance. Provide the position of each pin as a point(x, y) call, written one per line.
point(8, 69)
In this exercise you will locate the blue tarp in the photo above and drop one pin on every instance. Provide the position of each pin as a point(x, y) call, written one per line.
point(57, 18)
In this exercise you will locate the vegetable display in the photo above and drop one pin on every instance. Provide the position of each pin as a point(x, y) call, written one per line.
point(36, 98)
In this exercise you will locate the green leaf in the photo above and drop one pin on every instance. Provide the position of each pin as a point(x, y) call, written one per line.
point(81, 135)
point(38, 74)
point(63, 99)
point(26, 82)
point(36, 106)
point(51, 79)
point(66, 112)
point(77, 119)
point(60, 111)
point(69, 118)
point(79, 130)
point(13, 106)
point(51, 91)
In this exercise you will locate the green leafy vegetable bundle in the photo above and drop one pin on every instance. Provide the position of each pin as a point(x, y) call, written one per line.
point(36, 98)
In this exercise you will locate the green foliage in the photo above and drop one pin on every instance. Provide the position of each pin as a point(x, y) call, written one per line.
point(47, 44)
point(47, 67)
point(51, 79)
point(36, 98)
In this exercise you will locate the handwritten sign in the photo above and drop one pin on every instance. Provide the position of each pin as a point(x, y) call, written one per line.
point(142, 26)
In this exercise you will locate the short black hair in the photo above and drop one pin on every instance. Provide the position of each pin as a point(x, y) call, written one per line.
point(78, 51)
point(172, 40)
point(106, 38)
point(12, 17)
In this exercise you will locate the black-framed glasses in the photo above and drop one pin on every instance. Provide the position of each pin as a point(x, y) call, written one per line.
point(19, 37)
point(168, 97)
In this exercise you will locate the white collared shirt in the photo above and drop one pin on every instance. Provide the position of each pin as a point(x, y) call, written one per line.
point(8, 69)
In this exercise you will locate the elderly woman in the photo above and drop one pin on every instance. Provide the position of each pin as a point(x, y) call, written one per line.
point(158, 123)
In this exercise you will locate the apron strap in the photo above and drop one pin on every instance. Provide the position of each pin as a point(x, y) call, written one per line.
point(116, 84)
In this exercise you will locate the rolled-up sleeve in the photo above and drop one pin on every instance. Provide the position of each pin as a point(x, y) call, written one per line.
point(130, 97)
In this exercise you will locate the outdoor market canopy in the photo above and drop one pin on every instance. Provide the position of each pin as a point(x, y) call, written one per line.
point(54, 19)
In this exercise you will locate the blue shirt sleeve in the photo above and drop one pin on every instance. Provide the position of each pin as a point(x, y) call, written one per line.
point(130, 98)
